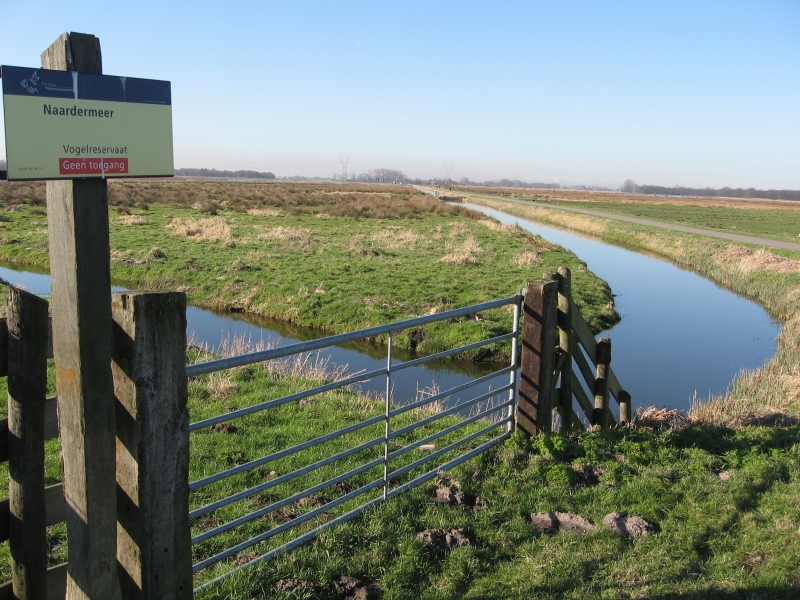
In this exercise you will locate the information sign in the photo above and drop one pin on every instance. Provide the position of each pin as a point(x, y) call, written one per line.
point(67, 125)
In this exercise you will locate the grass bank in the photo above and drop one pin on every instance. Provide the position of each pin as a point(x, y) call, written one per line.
point(777, 219)
point(332, 257)
point(771, 279)
point(725, 503)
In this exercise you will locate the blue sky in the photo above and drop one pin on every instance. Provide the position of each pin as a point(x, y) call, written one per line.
point(691, 93)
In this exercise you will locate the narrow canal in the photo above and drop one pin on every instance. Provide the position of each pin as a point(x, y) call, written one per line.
point(680, 336)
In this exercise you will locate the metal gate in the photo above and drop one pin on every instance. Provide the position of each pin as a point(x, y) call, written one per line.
point(396, 462)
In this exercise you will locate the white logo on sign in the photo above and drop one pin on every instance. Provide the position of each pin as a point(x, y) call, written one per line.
point(30, 84)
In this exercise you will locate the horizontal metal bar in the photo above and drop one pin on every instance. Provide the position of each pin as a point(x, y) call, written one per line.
point(249, 410)
point(446, 353)
point(281, 351)
point(450, 429)
point(281, 528)
point(281, 453)
point(285, 502)
point(454, 390)
point(449, 411)
point(299, 541)
point(283, 478)
point(445, 450)
point(448, 465)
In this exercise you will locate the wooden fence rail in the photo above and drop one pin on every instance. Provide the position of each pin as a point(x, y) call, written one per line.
point(558, 350)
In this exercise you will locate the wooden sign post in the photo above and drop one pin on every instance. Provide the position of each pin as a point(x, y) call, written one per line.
point(77, 216)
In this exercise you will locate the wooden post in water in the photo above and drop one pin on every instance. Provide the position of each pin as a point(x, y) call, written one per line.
point(149, 366)
point(27, 391)
point(535, 406)
point(624, 407)
point(566, 344)
point(601, 407)
point(77, 217)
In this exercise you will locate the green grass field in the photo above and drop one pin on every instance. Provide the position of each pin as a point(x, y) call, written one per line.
point(759, 222)
point(327, 259)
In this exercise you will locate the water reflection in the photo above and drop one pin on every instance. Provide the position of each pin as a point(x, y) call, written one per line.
point(680, 334)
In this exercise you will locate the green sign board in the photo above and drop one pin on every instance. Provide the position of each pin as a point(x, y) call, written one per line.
point(67, 125)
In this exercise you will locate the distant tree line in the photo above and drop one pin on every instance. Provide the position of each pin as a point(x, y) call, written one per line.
point(215, 173)
point(520, 184)
point(631, 187)
point(381, 175)
point(3, 165)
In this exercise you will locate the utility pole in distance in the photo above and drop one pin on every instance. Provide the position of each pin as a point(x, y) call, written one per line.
point(345, 162)
point(77, 217)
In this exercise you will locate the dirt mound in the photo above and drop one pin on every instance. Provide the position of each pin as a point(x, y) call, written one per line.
point(445, 539)
point(350, 587)
point(627, 525)
point(452, 495)
point(554, 522)
point(223, 428)
point(296, 586)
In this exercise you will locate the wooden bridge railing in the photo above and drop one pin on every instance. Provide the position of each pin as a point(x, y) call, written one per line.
point(556, 340)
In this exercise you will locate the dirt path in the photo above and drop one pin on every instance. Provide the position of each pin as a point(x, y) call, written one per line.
point(747, 239)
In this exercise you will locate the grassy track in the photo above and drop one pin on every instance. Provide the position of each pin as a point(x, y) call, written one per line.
point(781, 225)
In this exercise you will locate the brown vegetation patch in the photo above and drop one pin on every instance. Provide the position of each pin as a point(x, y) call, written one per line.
point(527, 259)
point(498, 226)
point(749, 260)
point(212, 229)
point(660, 418)
point(764, 418)
point(296, 237)
point(394, 238)
point(132, 220)
point(265, 212)
point(463, 253)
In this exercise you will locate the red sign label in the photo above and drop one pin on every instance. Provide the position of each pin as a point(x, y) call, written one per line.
point(93, 166)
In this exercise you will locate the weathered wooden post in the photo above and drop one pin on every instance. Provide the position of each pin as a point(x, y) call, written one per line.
point(602, 410)
point(149, 361)
point(624, 407)
point(27, 390)
point(77, 221)
point(566, 344)
point(540, 307)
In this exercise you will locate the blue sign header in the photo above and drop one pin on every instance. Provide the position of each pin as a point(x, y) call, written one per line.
point(25, 81)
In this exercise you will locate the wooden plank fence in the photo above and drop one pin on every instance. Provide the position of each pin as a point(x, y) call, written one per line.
point(152, 430)
point(25, 346)
point(558, 345)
